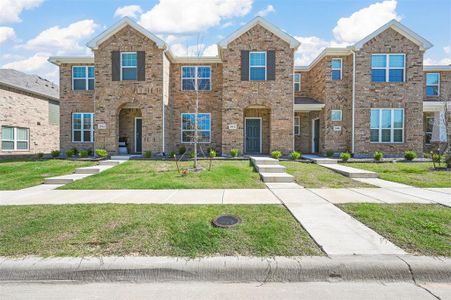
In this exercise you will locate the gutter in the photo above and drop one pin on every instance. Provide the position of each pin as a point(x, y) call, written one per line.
point(353, 103)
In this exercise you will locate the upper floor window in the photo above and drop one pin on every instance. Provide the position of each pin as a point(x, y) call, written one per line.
point(388, 67)
point(297, 82)
point(15, 138)
point(336, 68)
point(129, 66)
point(297, 125)
point(196, 76)
point(432, 84)
point(82, 127)
point(257, 65)
point(82, 78)
point(336, 115)
point(203, 127)
point(387, 125)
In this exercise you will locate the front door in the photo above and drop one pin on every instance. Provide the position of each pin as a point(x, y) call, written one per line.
point(253, 135)
point(315, 135)
point(138, 134)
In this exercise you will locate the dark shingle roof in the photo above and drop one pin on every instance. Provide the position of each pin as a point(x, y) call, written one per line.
point(306, 100)
point(30, 83)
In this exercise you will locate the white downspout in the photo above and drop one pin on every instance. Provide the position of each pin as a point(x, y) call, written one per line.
point(353, 103)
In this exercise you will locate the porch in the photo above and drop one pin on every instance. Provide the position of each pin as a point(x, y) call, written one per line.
point(308, 137)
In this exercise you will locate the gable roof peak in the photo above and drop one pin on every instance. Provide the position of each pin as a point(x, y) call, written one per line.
point(265, 24)
point(99, 39)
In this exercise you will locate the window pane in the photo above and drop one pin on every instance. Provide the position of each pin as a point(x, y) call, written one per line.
point(336, 115)
point(396, 75)
point(374, 136)
point(187, 136)
point(258, 59)
point(203, 72)
point(428, 137)
point(87, 136)
point(398, 116)
point(432, 78)
point(336, 75)
point(129, 59)
point(77, 136)
point(76, 121)
point(203, 84)
point(22, 134)
point(257, 73)
point(297, 87)
point(429, 124)
point(187, 121)
point(336, 63)
point(386, 133)
point(204, 136)
point(374, 118)
point(129, 74)
point(386, 118)
point(297, 77)
point(188, 72)
point(297, 121)
point(297, 130)
point(378, 61)
point(397, 135)
point(90, 84)
point(79, 72)
point(377, 75)
point(79, 84)
point(7, 145)
point(22, 145)
point(203, 121)
point(188, 84)
point(91, 72)
point(432, 90)
point(7, 133)
point(87, 121)
point(396, 61)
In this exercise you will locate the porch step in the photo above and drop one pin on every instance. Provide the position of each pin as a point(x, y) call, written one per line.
point(270, 168)
point(350, 172)
point(92, 170)
point(64, 179)
point(276, 177)
point(320, 160)
point(120, 157)
point(258, 161)
point(109, 162)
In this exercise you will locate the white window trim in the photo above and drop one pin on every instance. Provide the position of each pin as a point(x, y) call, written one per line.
point(182, 130)
point(130, 67)
point(81, 128)
point(336, 110)
point(195, 78)
point(265, 66)
point(387, 67)
point(87, 78)
point(437, 85)
point(299, 82)
point(392, 135)
point(335, 69)
point(15, 139)
point(298, 125)
point(426, 132)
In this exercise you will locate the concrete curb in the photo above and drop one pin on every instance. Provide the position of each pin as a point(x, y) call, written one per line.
point(387, 268)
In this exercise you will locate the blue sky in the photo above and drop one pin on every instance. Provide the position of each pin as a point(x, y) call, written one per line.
point(32, 30)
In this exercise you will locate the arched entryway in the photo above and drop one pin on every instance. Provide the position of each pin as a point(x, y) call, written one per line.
point(257, 134)
point(130, 129)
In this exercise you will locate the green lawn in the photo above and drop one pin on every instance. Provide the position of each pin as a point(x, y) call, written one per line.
point(150, 230)
point(416, 174)
point(21, 174)
point(313, 176)
point(141, 174)
point(417, 228)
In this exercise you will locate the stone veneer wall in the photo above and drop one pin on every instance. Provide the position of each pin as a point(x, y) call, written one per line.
point(111, 96)
point(277, 95)
point(407, 95)
point(21, 109)
point(185, 101)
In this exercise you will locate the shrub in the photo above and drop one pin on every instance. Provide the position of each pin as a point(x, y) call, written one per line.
point(172, 154)
point(410, 155)
point(182, 149)
point(40, 155)
point(212, 153)
point(69, 153)
point(436, 157)
point(84, 153)
point(378, 155)
point(276, 154)
point(234, 152)
point(345, 156)
point(101, 153)
point(75, 150)
point(448, 161)
point(295, 155)
point(147, 154)
point(427, 155)
point(55, 153)
point(330, 153)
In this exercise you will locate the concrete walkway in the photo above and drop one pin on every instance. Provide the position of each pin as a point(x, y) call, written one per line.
point(348, 171)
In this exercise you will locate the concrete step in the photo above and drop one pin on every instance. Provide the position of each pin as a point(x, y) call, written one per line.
point(270, 169)
point(64, 179)
point(257, 161)
point(88, 170)
point(350, 172)
point(276, 177)
point(109, 162)
point(321, 160)
point(120, 157)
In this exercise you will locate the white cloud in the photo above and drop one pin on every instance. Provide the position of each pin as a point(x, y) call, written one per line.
point(63, 40)
point(6, 33)
point(175, 16)
point(442, 61)
point(128, 11)
point(447, 49)
point(226, 24)
point(211, 50)
point(11, 9)
point(264, 12)
point(310, 47)
point(364, 21)
point(179, 49)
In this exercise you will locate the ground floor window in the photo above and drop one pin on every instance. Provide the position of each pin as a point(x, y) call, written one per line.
point(387, 125)
point(297, 125)
point(82, 127)
point(203, 127)
point(428, 131)
point(15, 138)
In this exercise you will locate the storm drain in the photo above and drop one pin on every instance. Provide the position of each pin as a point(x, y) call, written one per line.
point(226, 221)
